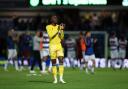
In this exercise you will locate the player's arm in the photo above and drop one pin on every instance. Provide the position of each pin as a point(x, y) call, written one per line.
point(82, 44)
point(61, 28)
point(38, 39)
point(117, 44)
point(61, 34)
point(126, 42)
point(87, 42)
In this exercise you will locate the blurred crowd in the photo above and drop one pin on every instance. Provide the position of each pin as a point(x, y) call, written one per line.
point(22, 42)
point(93, 21)
point(101, 21)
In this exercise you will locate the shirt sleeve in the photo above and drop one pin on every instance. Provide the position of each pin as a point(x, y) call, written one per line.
point(82, 43)
point(61, 34)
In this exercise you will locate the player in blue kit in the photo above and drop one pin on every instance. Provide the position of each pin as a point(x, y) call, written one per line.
point(11, 48)
point(25, 44)
point(89, 53)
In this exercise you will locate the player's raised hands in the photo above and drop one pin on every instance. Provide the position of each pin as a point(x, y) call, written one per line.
point(62, 26)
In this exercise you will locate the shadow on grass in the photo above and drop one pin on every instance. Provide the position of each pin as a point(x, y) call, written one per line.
point(34, 81)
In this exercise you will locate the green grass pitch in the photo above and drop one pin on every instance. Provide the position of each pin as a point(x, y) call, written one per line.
point(76, 79)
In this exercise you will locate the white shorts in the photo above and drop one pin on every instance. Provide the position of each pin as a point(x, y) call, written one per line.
point(71, 54)
point(114, 54)
point(89, 57)
point(12, 53)
point(122, 53)
point(44, 53)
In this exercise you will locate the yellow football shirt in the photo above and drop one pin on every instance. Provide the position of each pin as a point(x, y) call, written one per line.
point(52, 30)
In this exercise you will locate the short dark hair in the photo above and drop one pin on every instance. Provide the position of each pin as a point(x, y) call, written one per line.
point(113, 33)
point(81, 33)
point(50, 16)
point(87, 32)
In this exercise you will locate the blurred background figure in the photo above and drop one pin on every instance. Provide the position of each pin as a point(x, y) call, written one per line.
point(89, 53)
point(44, 45)
point(101, 21)
point(122, 49)
point(71, 50)
point(25, 48)
point(11, 49)
point(36, 52)
point(96, 47)
point(113, 44)
point(80, 50)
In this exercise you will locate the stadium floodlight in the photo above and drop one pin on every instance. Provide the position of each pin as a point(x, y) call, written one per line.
point(34, 3)
point(125, 3)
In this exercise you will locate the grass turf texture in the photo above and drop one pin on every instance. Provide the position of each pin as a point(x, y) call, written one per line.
point(76, 79)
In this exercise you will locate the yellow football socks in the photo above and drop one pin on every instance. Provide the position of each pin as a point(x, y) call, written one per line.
point(54, 71)
point(61, 71)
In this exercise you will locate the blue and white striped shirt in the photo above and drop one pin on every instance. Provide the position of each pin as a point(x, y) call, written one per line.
point(45, 41)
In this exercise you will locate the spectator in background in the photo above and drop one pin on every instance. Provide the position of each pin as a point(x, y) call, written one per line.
point(26, 48)
point(15, 21)
point(71, 44)
point(44, 52)
point(94, 21)
point(113, 43)
point(96, 48)
point(36, 52)
point(89, 53)
point(22, 25)
point(80, 49)
point(12, 52)
point(122, 49)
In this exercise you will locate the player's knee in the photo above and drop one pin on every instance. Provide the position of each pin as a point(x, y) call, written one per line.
point(60, 60)
point(53, 62)
point(15, 58)
point(45, 58)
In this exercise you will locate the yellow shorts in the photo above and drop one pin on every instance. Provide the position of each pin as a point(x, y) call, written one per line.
point(56, 50)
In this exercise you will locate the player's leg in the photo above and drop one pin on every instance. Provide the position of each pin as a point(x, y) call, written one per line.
point(67, 62)
point(28, 61)
point(60, 56)
point(54, 70)
point(93, 63)
point(82, 60)
point(33, 62)
point(43, 60)
point(122, 54)
point(61, 69)
point(22, 59)
point(39, 61)
point(28, 56)
point(50, 67)
point(44, 57)
point(69, 54)
point(7, 62)
point(112, 54)
point(53, 56)
point(44, 64)
point(82, 63)
point(86, 58)
point(116, 56)
point(73, 61)
point(22, 63)
point(25, 56)
point(15, 59)
point(48, 58)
